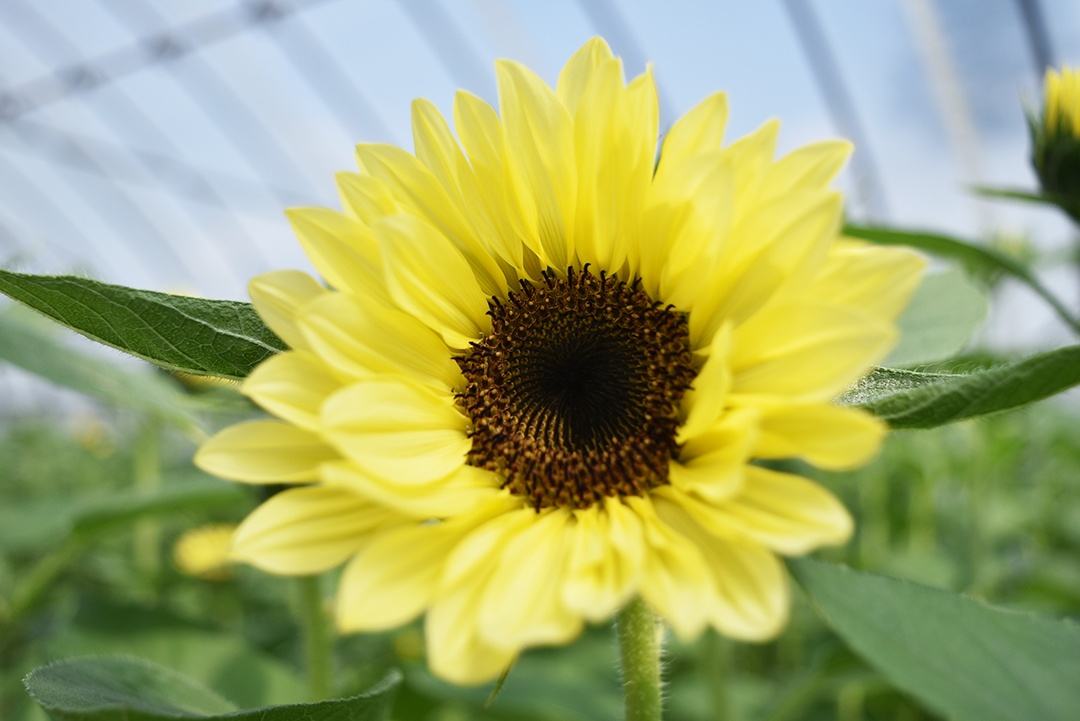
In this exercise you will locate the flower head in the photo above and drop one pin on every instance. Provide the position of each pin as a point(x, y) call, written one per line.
point(545, 365)
point(1056, 138)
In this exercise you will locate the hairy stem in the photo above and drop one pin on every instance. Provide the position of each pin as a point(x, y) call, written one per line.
point(639, 651)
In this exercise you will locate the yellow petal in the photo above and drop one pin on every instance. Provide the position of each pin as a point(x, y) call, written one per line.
point(522, 601)
point(825, 435)
point(783, 512)
point(393, 578)
point(700, 130)
point(674, 578)
point(780, 250)
point(640, 125)
point(361, 339)
point(751, 596)
point(811, 167)
point(292, 386)
point(540, 151)
point(456, 651)
point(602, 157)
point(711, 463)
point(578, 71)
point(341, 249)
point(303, 531)
point(482, 137)
point(685, 226)
point(615, 148)
point(751, 156)
point(437, 149)
point(705, 400)
point(811, 351)
point(430, 278)
point(463, 491)
point(366, 198)
point(397, 430)
point(418, 190)
point(604, 562)
point(477, 554)
point(878, 281)
point(265, 452)
point(278, 298)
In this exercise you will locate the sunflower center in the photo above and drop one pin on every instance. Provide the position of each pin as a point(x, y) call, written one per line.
point(574, 395)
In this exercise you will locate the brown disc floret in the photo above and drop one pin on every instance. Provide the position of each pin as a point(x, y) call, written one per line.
point(574, 395)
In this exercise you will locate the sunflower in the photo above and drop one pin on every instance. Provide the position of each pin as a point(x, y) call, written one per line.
point(545, 364)
point(1056, 138)
point(1062, 101)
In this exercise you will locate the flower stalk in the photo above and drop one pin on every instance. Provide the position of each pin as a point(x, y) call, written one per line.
point(639, 652)
point(147, 473)
point(318, 644)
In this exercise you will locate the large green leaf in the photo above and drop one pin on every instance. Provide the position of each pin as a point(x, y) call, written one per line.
point(907, 399)
point(939, 320)
point(224, 662)
point(966, 660)
point(117, 688)
point(981, 260)
point(205, 337)
point(25, 344)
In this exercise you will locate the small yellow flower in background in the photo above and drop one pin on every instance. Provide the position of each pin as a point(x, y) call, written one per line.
point(204, 552)
point(538, 383)
point(1056, 138)
point(94, 434)
point(1062, 101)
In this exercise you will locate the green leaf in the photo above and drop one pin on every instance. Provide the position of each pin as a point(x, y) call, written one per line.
point(107, 687)
point(206, 337)
point(27, 345)
point(117, 688)
point(224, 662)
point(975, 257)
point(1026, 196)
point(907, 399)
point(939, 320)
point(964, 659)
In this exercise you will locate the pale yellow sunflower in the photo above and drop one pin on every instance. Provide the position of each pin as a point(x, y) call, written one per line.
point(545, 364)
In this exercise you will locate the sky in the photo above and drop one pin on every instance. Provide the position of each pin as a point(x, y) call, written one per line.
point(174, 173)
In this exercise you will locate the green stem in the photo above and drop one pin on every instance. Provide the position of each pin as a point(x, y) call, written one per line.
point(147, 471)
point(34, 584)
point(639, 650)
point(716, 667)
point(317, 639)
